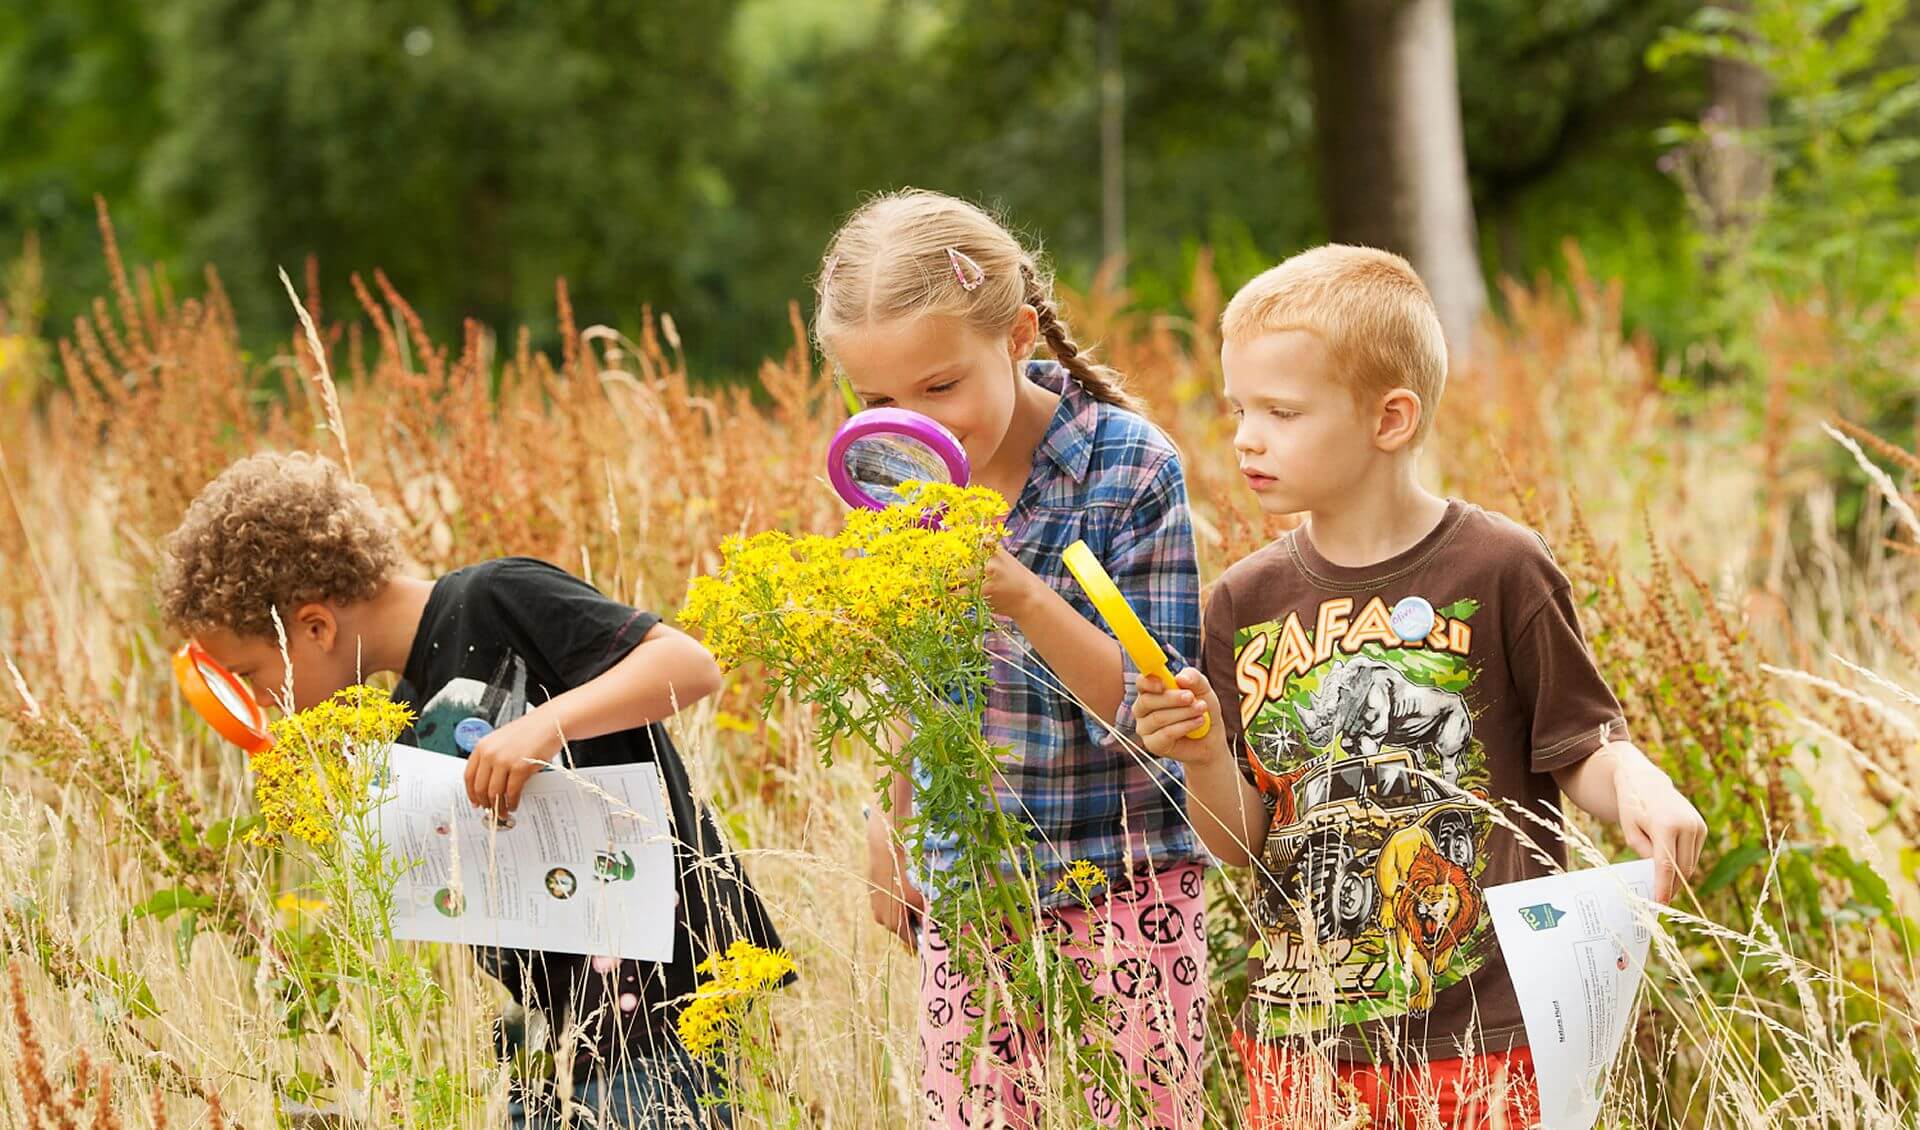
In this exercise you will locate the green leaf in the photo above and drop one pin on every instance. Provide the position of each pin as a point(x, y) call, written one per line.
point(1868, 885)
point(227, 831)
point(1732, 865)
point(1461, 609)
point(169, 902)
point(183, 937)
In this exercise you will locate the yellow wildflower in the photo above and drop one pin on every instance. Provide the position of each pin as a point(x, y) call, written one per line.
point(735, 979)
point(306, 777)
point(297, 906)
point(1083, 877)
point(804, 603)
point(733, 723)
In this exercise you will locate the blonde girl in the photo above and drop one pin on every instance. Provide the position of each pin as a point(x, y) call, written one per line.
point(928, 303)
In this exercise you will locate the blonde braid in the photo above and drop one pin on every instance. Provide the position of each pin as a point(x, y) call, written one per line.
point(1101, 382)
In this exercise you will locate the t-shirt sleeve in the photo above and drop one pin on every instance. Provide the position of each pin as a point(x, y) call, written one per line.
point(1154, 565)
point(1572, 710)
point(576, 629)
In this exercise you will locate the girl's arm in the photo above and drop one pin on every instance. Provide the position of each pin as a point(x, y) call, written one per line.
point(894, 900)
point(666, 671)
point(1084, 657)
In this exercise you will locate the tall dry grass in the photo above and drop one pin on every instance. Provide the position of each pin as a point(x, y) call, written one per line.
point(1765, 650)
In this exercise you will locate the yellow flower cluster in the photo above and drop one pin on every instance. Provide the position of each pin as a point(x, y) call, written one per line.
point(735, 980)
point(304, 779)
point(1083, 877)
point(888, 575)
point(298, 906)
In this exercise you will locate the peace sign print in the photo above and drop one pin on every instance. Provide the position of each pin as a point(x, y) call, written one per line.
point(1136, 977)
point(1161, 924)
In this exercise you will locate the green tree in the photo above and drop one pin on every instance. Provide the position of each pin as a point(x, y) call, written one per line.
point(77, 111)
point(474, 149)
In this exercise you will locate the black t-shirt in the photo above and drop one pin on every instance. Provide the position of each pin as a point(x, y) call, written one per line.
point(501, 637)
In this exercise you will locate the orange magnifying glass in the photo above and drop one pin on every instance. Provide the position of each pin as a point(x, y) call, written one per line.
point(221, 697)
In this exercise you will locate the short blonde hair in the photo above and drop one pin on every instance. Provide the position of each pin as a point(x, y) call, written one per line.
point(916, 253)
point(274, 532)
point(1370, 309)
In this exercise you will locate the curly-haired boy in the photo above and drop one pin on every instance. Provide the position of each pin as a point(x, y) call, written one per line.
point(289, 544)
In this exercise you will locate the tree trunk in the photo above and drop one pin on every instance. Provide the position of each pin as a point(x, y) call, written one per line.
point(1393, 163)
point(1113, 160)
point(1736, 177)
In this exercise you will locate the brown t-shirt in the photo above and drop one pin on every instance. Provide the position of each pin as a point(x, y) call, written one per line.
point(1382, 707)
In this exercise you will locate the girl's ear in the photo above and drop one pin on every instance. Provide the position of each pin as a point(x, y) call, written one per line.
point(1025, 334)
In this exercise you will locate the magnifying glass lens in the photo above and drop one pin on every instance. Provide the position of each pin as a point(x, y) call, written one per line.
point(879, 464)
point(226, 689)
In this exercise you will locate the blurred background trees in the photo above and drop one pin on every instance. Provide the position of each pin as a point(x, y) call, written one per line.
point(695, 154)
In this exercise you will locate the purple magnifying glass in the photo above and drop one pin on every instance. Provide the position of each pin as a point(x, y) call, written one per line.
point(878, 450)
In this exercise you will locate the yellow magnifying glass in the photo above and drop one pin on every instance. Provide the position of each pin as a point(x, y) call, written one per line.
point(1120, 616)
point(221, 698)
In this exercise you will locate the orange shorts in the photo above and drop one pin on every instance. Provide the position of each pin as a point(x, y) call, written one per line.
point(1292, 1091)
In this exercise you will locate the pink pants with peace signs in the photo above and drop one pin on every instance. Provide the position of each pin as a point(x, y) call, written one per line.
point(1144, 950)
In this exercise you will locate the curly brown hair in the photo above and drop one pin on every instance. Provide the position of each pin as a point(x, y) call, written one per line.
point(274, 531)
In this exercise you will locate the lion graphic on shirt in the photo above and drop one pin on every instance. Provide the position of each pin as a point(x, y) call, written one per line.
point(1428, 906)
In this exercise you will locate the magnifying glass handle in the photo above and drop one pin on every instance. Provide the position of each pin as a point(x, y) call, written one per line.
point(1206, 720)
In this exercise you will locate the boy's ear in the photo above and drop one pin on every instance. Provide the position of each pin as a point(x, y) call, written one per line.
point(1400, 415)
point(1025, 334)
point(315, 622)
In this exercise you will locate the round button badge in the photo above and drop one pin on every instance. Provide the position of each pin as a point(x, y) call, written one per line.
point(1412, 619)
point(469, 731)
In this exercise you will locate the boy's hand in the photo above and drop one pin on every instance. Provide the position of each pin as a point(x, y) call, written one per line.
point(1660, 824)
point(499, 766)
point(1163, 716)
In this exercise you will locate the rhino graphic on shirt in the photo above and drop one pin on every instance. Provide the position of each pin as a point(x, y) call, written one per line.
point(1368, 704)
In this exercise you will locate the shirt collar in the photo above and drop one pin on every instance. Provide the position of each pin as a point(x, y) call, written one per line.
point(1068, 442)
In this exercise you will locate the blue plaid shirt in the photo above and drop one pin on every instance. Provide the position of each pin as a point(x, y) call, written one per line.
point(1103, 474)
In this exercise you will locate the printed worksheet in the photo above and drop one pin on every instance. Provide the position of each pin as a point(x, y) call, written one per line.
point(582, 866)
point(1576, 946)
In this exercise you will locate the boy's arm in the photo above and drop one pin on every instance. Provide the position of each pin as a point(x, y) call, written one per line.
point(667, 671)
point(1619, 785)
point(1225, 809)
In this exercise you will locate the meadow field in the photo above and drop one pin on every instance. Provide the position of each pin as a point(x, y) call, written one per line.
point(1745, 551)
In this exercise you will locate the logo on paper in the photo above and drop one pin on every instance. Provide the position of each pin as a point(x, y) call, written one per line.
point(1542, 916)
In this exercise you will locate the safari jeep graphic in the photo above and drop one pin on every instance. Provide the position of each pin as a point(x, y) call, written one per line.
point(1366, 743)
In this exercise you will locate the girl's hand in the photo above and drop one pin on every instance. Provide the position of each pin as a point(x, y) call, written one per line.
point(504, 761)
point(896, 904)
point(1011, 586)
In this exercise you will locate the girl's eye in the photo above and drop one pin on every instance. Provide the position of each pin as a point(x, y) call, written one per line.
point(943, 387)
point(877, 402)
point(1283, 413)
point(1239, 413)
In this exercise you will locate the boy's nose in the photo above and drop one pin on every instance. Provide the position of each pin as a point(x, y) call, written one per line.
point(1244, 440)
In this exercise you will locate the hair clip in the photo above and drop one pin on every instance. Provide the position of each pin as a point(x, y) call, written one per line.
point(826, 271)
point(961, 266)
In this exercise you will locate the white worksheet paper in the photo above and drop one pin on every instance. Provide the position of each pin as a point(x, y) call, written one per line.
point(575, 872)
point(1576, 947)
